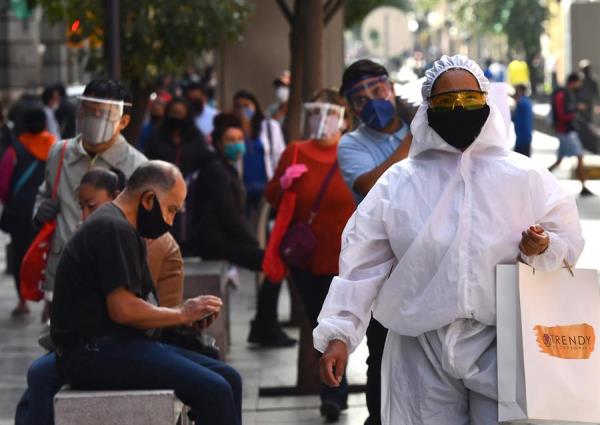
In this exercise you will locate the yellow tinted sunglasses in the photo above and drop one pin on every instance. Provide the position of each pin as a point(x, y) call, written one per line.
point(467, 99)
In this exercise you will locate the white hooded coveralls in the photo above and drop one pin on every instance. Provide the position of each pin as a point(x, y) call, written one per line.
point(420, 252)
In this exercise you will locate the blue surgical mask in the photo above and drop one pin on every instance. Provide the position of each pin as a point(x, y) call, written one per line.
point(248, 112)
point(233, 151)
point(378, 114)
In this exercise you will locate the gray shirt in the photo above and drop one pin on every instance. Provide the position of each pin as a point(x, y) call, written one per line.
point(76, 163)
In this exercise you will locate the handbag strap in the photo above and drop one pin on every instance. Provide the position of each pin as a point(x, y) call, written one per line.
point(58, 172)
point(25, 177)
point(315, 209)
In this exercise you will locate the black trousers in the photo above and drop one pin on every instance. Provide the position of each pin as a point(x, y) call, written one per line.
point(21, 238)
point(376, 335)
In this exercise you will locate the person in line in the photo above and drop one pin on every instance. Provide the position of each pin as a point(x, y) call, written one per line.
point(102, 329)
point(51, 102)
point(202, 113)
point(381, 140)
point(156, 115)
point(221, 231)
point(316, 170)
point(103, 112)
point(98, 187)
point(264, 145)
point(422, 248)
point(278, 111)
point(564, 115)
point(66, 114)
point(588, 94)
point(31, 153)
point(176, 139)
point(522, 118)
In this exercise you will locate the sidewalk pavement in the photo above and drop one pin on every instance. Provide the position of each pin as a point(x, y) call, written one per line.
point(259, 368)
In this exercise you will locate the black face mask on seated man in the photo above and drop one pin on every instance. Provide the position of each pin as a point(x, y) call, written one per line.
point(151, 224)
point(460, 127)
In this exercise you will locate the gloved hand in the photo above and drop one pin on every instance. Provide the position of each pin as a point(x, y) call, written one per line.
point(292, 173)
point(48, 210)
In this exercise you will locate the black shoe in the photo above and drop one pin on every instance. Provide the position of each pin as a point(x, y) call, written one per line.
point(273, 337)
point(586, 192)
point(331, 410)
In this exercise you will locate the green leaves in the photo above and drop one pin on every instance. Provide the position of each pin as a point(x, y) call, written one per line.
point(157, 36)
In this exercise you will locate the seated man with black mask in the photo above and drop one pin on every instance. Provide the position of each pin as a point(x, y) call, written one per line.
point(105, 308)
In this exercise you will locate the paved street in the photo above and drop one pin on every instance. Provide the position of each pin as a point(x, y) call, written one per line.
point(18, 346)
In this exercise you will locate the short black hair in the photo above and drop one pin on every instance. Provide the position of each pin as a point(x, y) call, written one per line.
point(153, 175)
point(106, 88)
point(521, 88)
point(361, 70)
point(195, 86)
point(113, 180)
point(34, 120)
point(221, 123)
point(48, 93)
point(573, 77)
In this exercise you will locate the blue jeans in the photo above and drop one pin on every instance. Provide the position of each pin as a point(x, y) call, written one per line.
point(36, 407)
point(211, 389)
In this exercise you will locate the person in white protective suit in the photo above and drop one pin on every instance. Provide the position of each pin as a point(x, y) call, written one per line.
point(420, 252)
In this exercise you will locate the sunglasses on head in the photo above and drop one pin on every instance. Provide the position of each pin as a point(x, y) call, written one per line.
point(470, 100)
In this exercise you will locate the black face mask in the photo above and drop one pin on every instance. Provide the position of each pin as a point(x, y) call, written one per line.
point(150, 224)
point(196, 106)
point(174, 123)
point(460, 127)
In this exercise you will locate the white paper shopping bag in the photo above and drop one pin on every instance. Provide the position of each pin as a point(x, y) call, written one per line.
point(548, 354)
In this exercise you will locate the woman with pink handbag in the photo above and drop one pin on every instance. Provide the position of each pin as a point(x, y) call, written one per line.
point(311, 245)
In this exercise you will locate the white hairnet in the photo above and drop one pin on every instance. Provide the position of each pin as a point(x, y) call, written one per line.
point(445, 63)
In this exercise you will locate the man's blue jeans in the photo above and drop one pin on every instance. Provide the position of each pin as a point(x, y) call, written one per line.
point(209, 387)
point(36, 407)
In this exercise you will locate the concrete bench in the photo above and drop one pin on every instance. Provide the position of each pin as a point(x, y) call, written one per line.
point(156, 407)
point(210, 278)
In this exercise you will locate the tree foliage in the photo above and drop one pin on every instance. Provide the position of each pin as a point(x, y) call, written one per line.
point(520, 20)
point(356, 10)
point(157, 36)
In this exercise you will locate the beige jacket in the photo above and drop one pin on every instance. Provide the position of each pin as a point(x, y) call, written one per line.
point(166, 267)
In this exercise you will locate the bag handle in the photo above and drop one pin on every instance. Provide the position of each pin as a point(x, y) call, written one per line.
point(317, 205)
point(58, 172)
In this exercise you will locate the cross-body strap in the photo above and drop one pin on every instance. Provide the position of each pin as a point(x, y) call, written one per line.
point(25, 177)
point(321, 195)
point(59, 170)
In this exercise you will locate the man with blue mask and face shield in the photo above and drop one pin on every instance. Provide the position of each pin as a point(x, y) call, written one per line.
point(381, 140)
point(103, 112)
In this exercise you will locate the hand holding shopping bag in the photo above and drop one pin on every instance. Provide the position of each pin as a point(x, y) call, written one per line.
point(548, 359)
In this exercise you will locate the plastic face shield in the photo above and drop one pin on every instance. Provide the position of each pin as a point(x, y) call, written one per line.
point(372, 88)
point(321, 120)
point(97, 118)
point(467, 99)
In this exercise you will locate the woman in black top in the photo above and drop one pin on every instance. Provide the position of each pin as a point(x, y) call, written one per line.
point(221, 231)
point(176, 139)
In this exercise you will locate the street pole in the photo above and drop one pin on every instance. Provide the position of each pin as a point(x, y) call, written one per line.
point(112, 39)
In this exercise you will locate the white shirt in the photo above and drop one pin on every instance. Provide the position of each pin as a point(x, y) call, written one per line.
point(420, 251)
point(204, 121)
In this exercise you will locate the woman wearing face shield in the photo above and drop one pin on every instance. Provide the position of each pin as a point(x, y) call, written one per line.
point(309, 168)
point(421, 250)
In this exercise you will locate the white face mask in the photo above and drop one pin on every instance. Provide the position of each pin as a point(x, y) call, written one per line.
point(282, 93)
point(96, 130)
point(322, 120)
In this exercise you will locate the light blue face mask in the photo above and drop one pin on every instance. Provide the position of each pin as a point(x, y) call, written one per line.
point(248, 112)
point(233, 151)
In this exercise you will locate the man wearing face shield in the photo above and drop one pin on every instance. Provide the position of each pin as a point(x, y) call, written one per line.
point(105, 309)
point(381, 140)
point(422, 248)
point(103, 112)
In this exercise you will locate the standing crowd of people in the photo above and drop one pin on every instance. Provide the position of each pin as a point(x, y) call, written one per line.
point(393, 235)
